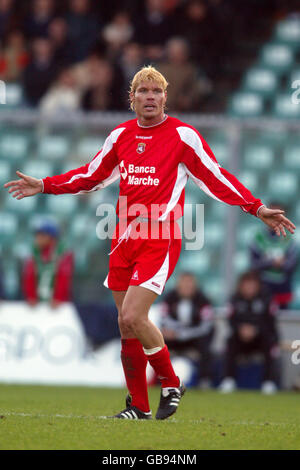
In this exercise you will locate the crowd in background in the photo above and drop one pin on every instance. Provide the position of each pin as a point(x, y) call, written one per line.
point(76, 54)
point(251, 314)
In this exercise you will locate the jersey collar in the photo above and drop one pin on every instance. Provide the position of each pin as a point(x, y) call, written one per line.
point(154, 125)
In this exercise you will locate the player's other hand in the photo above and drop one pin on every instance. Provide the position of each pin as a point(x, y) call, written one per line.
point(24, 187)
point(276, 220)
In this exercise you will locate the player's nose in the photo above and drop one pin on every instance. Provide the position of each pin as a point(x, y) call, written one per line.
point(150, 95)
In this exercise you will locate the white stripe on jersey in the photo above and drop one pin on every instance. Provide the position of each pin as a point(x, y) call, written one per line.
point(115, 174)
point(191, 138)
point(201, 185)
point(107, 147)
point(179, 185)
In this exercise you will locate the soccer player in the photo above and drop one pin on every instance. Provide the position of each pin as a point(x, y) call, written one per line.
point(154, 155)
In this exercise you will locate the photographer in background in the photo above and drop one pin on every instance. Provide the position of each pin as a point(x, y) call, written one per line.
point(187, 324)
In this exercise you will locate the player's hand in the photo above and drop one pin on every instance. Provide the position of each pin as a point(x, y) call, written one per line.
point(275, 219)
point(24, 187)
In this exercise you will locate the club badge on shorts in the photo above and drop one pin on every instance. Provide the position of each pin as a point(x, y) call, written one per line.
point(141, 147)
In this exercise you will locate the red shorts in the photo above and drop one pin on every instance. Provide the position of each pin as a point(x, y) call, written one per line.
point(147, 262)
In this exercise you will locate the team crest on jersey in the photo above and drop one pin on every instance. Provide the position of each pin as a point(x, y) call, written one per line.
point(141, 147)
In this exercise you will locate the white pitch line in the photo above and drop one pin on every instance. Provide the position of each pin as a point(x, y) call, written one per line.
point(38, 415)
point(172, 420)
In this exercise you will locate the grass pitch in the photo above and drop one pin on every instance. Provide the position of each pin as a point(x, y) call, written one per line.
point(36, 417)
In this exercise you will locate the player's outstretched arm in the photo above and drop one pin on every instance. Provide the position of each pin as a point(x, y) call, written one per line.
point(24, 187)
point(275, 219)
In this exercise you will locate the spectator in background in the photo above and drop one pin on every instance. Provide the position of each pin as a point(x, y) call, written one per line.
point(131, 60)
point(6, 15)
point(130, 63)
point(105, 89)
point(63, 96)
point(196, 27)
point(37, 21)
point(41, 71)
point(15, 56)
point(47, 275)
point(187, 87)
point(83, 29)
point(154, 28)
point(117, 33)
point(82, 71)
point(187, 324)
point(58, 35)
point(276, 262)
point(252, 318)
point(221, 14)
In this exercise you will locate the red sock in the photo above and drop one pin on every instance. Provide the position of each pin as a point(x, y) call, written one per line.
point(161, 363)
point(134, 363)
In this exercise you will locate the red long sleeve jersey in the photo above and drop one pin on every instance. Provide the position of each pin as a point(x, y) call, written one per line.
point(154, 164)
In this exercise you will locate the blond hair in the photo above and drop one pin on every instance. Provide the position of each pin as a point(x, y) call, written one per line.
point(147, 73)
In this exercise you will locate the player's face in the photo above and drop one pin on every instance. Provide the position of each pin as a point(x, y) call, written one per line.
point(149, 101)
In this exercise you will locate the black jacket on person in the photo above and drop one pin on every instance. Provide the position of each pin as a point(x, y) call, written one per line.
point(37, 79)
point(191, 318)
point(259, 311)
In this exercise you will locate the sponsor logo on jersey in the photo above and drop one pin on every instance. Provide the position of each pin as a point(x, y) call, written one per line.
point(140, 169)
point(132, 170)
point(143, 137)
point(123, 171)
point(141, 147)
